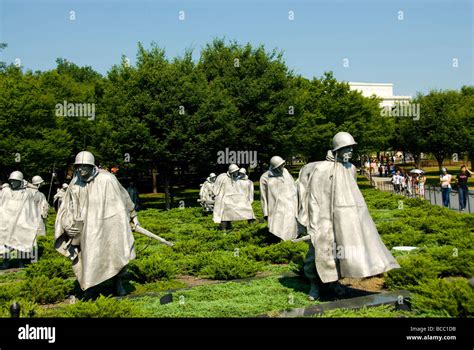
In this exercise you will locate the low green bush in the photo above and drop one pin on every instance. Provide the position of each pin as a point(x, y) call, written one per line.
point(102, 307)
point(46, 247)
point(152, 268)
point(45, 290)
point(227, 266)
point(28, 308)
point(414, 270)
point(280, 253)
point(455, 261)
point(9, 291)
point(53, 267)
point(193, 264)
point(454, 296)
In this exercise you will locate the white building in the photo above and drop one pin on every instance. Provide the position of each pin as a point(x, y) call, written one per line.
point(383, 91)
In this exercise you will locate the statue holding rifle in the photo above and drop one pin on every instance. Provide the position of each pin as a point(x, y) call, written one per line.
point(94, 225)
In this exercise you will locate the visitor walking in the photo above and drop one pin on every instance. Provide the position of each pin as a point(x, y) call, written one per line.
point(421, 185)
point(445, 181)
point(396, 181)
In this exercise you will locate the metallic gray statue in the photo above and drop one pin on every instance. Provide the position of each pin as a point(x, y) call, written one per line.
point(246, 185)
point(41, 203)
point(344, 239)
point(231, 203)
point(279, 200)
point(58, 197)
point(19, 218)
point(94, 225)
point(206, 196)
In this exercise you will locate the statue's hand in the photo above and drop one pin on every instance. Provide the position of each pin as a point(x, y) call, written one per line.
point(135, 222)
point(72, 232)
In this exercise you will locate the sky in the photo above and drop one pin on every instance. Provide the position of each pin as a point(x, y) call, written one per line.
point(417, 45)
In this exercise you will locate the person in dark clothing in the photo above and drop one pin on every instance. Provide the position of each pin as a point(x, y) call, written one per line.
point(463, 189)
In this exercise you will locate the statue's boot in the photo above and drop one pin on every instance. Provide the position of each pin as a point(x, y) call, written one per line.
point(88, 294)
point(314, 290)
point(118, 286)
point(336, 289)
point(225, 225)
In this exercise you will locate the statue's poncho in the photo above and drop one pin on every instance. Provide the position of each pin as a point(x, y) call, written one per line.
point(231, 204)
point(205, 193)
point(19, 219)
point(246, 187)
point(279, 202)
point(342, 231)
point(43, 207)
point(106, 244)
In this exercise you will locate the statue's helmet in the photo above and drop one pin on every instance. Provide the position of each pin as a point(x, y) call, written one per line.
point(243, 171)
point(211, 175)
point(342, 139)
point(85, 157)
point(36, 180)
point(233, 168)
point(276, 161)
point(16, 175)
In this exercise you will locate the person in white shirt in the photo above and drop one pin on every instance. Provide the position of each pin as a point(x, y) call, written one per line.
point(445, 181)
point(396, 180)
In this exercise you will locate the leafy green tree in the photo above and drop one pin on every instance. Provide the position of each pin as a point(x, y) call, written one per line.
point(466, 123)
point(440, 123)
point(258, 84)
point(153, 109)
point(330, 106)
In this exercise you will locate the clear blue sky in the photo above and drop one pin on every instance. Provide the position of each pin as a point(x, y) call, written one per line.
point(415, 54)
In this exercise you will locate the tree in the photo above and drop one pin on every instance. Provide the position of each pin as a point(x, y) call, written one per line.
point(330, 106)
point(153, 109)
point(409, 135)
point(440, 123)
point(466, 123)
point(259, 90)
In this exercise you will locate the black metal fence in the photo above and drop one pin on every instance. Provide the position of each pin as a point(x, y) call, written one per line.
point(431, 193)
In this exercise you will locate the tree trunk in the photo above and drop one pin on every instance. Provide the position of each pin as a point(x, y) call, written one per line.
point(154, 174)
point(439, 159)
point(167, 187)
point(417, 159)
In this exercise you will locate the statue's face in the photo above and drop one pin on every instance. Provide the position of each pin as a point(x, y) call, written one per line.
point(279, 170)
point(345, 154)
point(85, 171)
point(235, 175)
point(15, 184)
point(212, 179)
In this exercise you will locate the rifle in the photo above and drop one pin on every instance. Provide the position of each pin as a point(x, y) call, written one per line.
point(51, 183)
point(301, 239)
point(145, 232)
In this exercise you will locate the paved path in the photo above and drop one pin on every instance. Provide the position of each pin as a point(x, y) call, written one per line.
point(432, 194)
